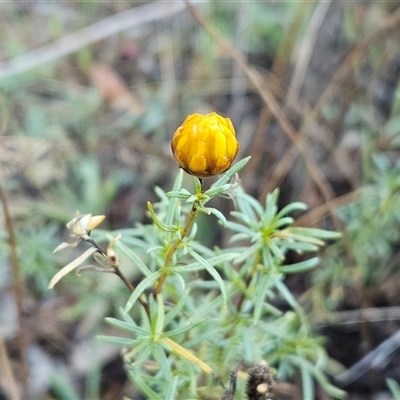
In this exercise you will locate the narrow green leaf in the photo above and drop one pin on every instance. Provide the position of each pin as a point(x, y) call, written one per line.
point(157, 222)
point(394, 388)
point(178, 180)
point(314, 232)
point(283, 222)
point(300, 247)
point(134, 258)
point(191, 199)
point(303, 238)
point(288, 296)
point(271, 208)
point(214, 329)
point(218, 190)
point(119, 341)
point(254, 203)
point(246, 219)
point(204, 310)
point(197, 185)
point(211, 270)
point(126, 317)
point(268, 260)
point(274, 330)
point(126, 326)
point(140, 354)
point(182, 329)
point(233, 226)
point(250, 252)
point(161, 194)
point(160, 316)
point(296, 206)
point(274, 249)
point(136, 376)
point(218, 214)
point(143, 285)
point(161, 358)
point(170, 315)
point(263, 287)
point(232, 171)
point(179, 194)
point(307, 381)
point(319, 376)
point(62, 386)
point(300, 266)
point(195, 266)
point(142, 347)
point(171, 388)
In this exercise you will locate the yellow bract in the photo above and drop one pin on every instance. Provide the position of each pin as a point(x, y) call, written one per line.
point(205, 145)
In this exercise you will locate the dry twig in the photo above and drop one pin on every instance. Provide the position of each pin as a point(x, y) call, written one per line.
point(17, 288)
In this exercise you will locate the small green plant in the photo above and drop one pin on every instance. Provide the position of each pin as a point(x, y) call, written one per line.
point(197, 311)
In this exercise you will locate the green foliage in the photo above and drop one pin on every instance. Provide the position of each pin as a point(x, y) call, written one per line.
point(36, 255)
point(208, 308)
point(394, 388)
point(370, 237)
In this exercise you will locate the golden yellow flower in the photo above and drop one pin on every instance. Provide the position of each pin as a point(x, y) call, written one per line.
point(205, 145)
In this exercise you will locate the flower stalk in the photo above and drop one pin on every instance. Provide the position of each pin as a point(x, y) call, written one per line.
point(168, 258)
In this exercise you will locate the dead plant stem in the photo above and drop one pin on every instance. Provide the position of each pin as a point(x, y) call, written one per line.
point(17, 288)
point(129, 285)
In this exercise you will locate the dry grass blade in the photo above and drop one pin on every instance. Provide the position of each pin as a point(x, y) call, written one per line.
point(353, 317)
point(318, 213)
point(305, 51)
point(276, 83)
point(340, 75)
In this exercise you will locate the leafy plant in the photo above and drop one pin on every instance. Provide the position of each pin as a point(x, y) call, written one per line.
point(197, 311)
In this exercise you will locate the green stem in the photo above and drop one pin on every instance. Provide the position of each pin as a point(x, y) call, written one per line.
point(248, 279)
point(168, 258)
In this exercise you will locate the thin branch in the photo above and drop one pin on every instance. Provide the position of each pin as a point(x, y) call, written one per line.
point(305, 51)
point(129, 285)
point(324, 210)
point(6, 372)
point(17, 288)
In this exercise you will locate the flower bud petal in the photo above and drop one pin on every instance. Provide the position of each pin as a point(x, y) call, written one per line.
point(205, 145)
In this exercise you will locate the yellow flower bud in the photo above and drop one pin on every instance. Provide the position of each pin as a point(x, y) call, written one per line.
point(205, 145)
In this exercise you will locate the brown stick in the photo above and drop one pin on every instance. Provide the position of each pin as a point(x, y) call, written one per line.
point(17, 288)
point(129, 285)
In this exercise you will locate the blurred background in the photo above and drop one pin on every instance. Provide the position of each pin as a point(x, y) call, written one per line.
point(91, 93)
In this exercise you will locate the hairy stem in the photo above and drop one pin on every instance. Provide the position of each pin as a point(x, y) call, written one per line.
point(168, 258)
